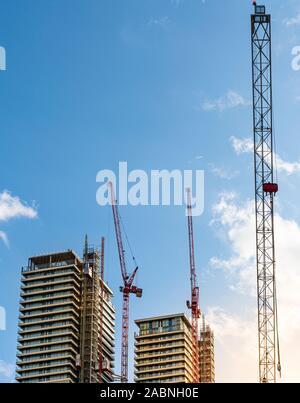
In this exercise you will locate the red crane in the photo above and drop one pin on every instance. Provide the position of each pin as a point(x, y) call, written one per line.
point(127, 288)
point(193, 304)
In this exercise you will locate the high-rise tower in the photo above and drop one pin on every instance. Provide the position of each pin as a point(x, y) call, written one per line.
point(51, 345)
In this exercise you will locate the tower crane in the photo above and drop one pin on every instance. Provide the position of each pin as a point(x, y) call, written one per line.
point(193, 304)
point(127, 288)
point(265, 191)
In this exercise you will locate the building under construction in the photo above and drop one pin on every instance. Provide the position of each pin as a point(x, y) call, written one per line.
point(97, 320)
point(207, 354)
point(67, 320)
point(163, 350)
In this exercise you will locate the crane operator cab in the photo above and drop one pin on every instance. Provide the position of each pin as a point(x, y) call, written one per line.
point(259, 9)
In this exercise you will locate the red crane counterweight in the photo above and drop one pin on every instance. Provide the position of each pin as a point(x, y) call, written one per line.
point(270, 188)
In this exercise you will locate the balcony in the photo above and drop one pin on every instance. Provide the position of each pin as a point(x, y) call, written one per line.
point(68, 331)
point(51, 296)
point(53, 311)
point(48, 342)
point(51, 304)
point(62, 286)
point(58, 280)
point(36, 351)
point(50, 274)
point(159, 330)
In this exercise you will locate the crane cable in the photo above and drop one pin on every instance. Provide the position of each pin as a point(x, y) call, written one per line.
point(126, 237)
point(275, 149)
point(127, 240)
point(277, 333)
point(275, 286)
point(108, 241)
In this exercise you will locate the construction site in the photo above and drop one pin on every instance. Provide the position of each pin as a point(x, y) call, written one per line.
point(67, 315)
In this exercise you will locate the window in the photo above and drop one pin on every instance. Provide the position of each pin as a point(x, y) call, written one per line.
point(260, 9)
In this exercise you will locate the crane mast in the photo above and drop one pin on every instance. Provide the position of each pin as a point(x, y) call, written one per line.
point(193, 304)
point(127, 288)
point(265, 190)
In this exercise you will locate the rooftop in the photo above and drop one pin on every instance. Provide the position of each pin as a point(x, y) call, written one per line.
point(65, 258)
point(163, 317)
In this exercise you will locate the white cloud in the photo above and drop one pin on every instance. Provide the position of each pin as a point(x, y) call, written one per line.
point(237, 221)
point(288, 167)
point(235, 345)
point(223, 172)
point(245, 145)
point(6, 369)
point(2, 318)
point(176, 2)
point(231, 100)
point(292, 21)
point(4, 238)
point(162, 22)
point(241, 146)
point(224, 324)
point(12, 207)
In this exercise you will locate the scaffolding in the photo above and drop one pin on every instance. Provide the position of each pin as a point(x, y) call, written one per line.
point(207, 353)
point(91, 307)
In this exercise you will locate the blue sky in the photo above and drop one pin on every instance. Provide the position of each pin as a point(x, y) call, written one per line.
point(160, 84)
